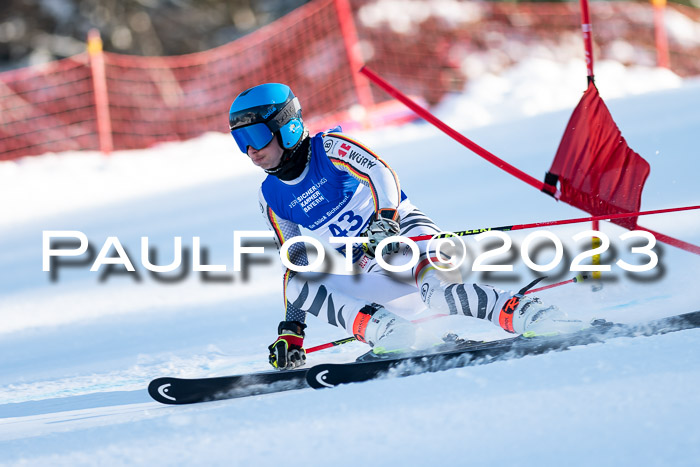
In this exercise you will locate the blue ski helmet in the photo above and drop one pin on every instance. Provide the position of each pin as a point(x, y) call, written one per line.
point(263, 112)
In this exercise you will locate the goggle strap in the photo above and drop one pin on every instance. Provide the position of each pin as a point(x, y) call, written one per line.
point(288, 112)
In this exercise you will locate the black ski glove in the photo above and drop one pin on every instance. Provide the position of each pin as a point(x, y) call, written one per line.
point(287, 352)
point(385, 224)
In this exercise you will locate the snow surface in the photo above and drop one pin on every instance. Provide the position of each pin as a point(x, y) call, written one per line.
point(76, 354)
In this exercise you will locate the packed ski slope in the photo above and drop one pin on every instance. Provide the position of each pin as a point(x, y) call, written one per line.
point(77, 353)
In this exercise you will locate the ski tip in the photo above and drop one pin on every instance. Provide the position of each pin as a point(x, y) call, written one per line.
point(160, 389)
point(318, 377)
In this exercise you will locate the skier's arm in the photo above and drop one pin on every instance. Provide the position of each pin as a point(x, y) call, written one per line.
point(362, 163)
point(287, 351)
point(283, 230)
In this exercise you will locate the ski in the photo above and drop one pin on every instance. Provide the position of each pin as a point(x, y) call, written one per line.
point(331, 375)
point(188, 391)
point(168, 390)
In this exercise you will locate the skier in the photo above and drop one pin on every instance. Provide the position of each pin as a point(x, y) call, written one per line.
point(335, 186)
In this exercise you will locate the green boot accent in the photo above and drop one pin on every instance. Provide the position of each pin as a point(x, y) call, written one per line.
point(383, 351)
point(531, 334)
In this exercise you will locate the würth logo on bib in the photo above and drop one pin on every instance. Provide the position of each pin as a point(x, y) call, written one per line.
point(344, 148)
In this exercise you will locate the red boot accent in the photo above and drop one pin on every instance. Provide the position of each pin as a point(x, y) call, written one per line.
point(505, 318)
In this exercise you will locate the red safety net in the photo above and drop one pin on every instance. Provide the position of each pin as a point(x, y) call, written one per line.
point(47, 109)
point(155, 99)
point(596, 169)
point(427, 49)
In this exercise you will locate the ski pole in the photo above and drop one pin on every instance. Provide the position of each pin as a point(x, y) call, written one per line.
point(347, 340)
point(577, 220)
point(330, 344)
point(578, 278)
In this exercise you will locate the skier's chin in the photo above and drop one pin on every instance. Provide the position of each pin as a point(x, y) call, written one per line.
point(262, 164)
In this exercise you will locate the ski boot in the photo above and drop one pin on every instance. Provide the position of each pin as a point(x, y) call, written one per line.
point(530, 317)
point(383, 330)
point(387, 333)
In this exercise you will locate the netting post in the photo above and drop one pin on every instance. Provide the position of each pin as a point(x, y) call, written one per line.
point(588, 48)
point(595, 243)
point(587, 41)
point(99, 83)
point(660, 37)
point(347, 29)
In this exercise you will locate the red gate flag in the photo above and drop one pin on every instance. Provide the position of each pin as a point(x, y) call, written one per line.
point(601, 174)
point(596, 169)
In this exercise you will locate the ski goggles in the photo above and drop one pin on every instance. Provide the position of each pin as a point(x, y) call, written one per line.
point(257, 135)
point(251, 127)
